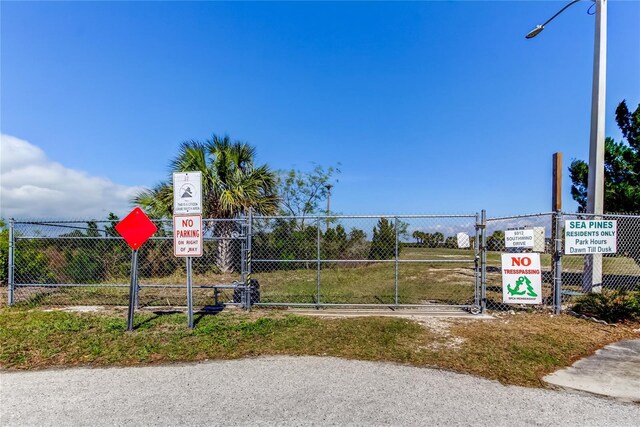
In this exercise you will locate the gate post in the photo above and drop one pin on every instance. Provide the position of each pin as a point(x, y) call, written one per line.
point(397, 263)
point(248, 261)
point(244, 227)
point(10, 275)
point(318, 266)
point(483, 261)
point(476, 259)
point(557, 263)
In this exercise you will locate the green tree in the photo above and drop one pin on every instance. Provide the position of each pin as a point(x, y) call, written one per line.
point(357, 245)
point(451, 242)
point(117, 255)
point(383, 243)
point(621, 170)
point(334, 243)
point(231, 184)
point(495, 242)
point(301, 192)
point(4, 252)
point(437, 239)
point(110, 230)
point(621, 179)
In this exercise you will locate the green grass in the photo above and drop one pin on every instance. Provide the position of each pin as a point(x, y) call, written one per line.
point(514, 350)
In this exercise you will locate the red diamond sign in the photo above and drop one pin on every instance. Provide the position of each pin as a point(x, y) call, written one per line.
point(136, 228)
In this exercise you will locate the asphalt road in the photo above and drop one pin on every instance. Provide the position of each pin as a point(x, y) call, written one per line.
point(290, 391)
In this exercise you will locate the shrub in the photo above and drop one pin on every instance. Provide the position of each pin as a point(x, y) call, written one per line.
point(610, 306)
point(4, 252)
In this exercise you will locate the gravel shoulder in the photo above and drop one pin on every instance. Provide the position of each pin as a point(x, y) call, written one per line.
point(290, 391)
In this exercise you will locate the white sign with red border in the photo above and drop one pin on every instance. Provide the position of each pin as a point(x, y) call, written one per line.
point(187, 235)
point(521, 279)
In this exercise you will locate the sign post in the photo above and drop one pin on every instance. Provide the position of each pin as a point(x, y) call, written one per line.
point(135, 228)
point(133, 289)
point(187, 225)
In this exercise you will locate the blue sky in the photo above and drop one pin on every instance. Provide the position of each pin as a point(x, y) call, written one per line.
point(430, 107)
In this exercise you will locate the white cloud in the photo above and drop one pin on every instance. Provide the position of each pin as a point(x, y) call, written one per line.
point(32, 186)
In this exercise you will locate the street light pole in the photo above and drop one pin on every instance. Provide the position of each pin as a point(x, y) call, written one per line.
point(328, 187)
point(592, 277)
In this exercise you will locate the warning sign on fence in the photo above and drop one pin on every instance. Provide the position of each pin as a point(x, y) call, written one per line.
point(521, 279)
point(590, 237)
point(187, 235)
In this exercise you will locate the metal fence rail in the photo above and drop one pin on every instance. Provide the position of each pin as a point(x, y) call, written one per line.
point(315, 261)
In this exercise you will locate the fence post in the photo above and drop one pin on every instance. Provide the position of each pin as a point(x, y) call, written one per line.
point(10, 275)
point(483, 261)
point(318, 262)
point(557, 263)
point(249, 241)
point(476, 250)
point(243, 248)
point(395, 223)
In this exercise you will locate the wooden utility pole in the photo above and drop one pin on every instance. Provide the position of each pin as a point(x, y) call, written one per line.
point(556, 207)
point(556, 191)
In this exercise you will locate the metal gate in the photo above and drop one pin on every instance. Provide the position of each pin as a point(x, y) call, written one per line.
point(368, 261)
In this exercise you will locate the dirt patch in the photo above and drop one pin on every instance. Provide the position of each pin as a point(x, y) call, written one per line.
point(442, 329)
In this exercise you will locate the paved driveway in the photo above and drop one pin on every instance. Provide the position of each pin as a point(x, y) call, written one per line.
point(290, 391)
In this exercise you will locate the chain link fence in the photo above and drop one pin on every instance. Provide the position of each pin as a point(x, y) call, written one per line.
point(61, 263)
point(522, 234)
point(365, 260)
point(614, 271)
point(379, 261)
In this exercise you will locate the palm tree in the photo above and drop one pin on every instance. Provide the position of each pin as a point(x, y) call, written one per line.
point(231, 184)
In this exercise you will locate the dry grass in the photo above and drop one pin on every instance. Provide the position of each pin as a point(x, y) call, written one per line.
point(514, 349)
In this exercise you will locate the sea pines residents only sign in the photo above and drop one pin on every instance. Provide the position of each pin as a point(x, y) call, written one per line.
point(590, 237)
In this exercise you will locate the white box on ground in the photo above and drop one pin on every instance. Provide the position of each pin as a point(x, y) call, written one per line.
point(187, 193)
point(187, 235)
point(521, 279)
point(590, 237)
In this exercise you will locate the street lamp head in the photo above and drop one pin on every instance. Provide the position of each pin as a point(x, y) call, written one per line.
point(537, 30)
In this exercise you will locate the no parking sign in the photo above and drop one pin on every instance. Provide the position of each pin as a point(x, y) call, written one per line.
point(187, 235)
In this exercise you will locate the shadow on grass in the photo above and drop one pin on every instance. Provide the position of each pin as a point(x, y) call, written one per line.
point(207, 310)
point(157, 315)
